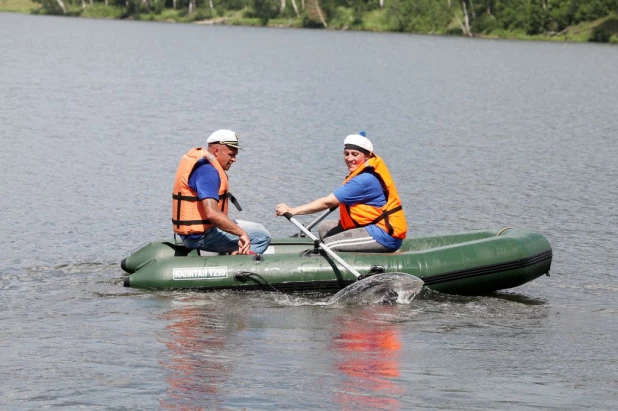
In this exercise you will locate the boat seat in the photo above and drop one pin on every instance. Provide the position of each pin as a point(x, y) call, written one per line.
point(203, 253)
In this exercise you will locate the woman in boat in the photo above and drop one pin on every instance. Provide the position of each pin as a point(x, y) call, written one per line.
point(371, 217)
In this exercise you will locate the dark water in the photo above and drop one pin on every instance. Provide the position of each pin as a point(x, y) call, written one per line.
point(95, 114)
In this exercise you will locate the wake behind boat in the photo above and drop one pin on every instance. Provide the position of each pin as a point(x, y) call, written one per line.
point(470, 263)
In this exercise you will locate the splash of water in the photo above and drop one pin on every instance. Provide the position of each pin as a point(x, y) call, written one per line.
point(389, 288)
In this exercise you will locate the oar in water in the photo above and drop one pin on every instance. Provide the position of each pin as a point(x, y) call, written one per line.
point(378, 288)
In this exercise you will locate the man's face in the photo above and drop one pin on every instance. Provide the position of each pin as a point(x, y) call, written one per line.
point(225, 155)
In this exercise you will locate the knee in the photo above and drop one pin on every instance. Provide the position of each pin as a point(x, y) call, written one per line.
point(263, 237)
point(260, 240)
point(260, 243)
point(263, 233)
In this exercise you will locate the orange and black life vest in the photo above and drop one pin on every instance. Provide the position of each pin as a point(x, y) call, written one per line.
point(188, 215)
point(390, 217)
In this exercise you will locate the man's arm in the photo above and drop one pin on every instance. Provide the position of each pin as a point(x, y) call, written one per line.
point(222, 222)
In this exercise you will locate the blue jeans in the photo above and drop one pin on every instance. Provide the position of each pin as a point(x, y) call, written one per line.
point(219, 241)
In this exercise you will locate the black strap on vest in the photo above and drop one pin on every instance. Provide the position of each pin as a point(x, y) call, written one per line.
point(383, 216)
point(234, 201)
point(178, 223)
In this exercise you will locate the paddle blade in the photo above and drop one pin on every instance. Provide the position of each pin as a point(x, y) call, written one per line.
point(388, 288)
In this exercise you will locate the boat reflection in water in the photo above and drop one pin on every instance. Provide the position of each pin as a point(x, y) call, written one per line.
point(196, 364)
point(369, 360)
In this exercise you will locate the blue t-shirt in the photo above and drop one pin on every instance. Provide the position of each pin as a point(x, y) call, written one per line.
point(205, 181)
point(366, 188)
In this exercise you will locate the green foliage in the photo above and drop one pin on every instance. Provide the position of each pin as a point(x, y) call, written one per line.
point(18, 6)
point(577, 20)
point(230, 4)
point(100, 10)
point(328, 8)
point(48, 7)
point(348, 13)
point(600, 35)
point(158, 7)
point(377, 20)
point(592, 10)
point(419, 16)
point(605, 31)
point(343, 18)
point(486, 24)
point(536, 18)
point(264, 10)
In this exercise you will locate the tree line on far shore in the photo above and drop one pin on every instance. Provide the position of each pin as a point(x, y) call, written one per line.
point(500, 18)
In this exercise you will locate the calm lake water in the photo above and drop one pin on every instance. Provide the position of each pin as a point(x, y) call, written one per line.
point(94, 116)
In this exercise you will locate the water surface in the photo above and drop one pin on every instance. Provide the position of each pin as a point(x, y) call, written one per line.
point(479, 134)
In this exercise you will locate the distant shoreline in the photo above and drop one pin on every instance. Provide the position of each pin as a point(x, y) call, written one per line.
point(602, 30)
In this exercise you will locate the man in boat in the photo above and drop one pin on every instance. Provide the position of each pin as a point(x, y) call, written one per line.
point(371, 217)
point(200, 201)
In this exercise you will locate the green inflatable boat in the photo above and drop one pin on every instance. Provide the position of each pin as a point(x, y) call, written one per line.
point(468, 263)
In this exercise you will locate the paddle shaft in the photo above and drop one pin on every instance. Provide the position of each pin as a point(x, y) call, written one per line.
point(321, 217)
point(324, 246)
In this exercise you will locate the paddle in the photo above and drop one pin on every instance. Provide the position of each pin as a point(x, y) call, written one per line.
point(321, 217)
point(322, 245)
point(380, 288)
point(316, 221)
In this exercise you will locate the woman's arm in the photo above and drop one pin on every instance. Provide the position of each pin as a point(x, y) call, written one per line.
point(314, 206)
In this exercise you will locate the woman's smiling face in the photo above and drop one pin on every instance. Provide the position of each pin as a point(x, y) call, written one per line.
point(353, 159)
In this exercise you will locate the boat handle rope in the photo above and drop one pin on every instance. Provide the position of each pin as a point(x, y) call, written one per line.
point(244, 275)
point(503, 230)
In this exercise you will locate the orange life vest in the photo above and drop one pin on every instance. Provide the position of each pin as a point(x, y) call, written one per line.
point(188, 215)
point(390, 217)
